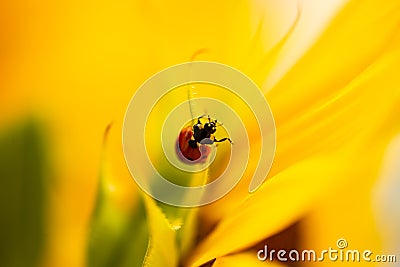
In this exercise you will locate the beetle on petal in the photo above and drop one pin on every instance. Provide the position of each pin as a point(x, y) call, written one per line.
point(193, 140)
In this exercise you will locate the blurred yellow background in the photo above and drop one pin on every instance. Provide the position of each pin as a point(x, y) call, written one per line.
point(69, 68)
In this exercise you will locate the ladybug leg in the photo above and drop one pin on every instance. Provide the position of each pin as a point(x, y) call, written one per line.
point(198, 119)
point(222, 140)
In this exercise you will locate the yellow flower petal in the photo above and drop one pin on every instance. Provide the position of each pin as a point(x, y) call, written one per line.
point(278, 203)
point(354, 39)
point(291, 192)
point(324, 145)
point(346, 212)
point(315, 112)
point(385, 199)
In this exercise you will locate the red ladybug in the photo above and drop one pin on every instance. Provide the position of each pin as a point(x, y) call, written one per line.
point(192, 140)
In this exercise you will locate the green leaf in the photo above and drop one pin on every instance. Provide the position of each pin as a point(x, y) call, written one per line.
point(22, 196)
point(177, 226)
point(183, 222)
point(116, 238)
point(162, 250)
point(188, 233)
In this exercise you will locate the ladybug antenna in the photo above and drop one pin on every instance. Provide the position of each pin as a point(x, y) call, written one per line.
point(218, 123)
point(191, 88)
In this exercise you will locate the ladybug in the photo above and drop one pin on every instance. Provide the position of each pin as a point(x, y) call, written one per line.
point(192, 139)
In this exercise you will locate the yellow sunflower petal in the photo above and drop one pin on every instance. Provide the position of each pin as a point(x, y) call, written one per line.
point(346, 212)
point(385, 199)
point(314, 111)
point(354, 39)
point(279, 202)
point(328, 144)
